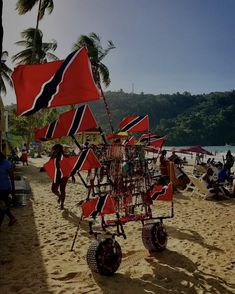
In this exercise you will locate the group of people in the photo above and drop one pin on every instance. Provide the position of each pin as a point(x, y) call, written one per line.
point(217, 178)
point(15, 158)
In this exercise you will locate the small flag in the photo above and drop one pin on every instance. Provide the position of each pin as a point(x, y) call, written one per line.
point(134, 124)
point(69, 123)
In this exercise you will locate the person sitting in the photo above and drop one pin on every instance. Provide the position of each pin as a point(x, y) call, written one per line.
point(183, 179)
point(173, 156)
point(213, 187)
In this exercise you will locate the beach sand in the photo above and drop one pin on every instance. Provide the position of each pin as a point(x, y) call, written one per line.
point(35, 254)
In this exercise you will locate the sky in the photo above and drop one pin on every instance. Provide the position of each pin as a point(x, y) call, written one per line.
point(162, 46)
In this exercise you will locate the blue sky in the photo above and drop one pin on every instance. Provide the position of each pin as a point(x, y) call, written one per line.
point(162, 46)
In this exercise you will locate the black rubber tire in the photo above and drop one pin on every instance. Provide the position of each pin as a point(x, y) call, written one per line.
point(154, 236)
point(104, 256)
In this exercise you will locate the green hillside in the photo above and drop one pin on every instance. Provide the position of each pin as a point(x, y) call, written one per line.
point(185, 119)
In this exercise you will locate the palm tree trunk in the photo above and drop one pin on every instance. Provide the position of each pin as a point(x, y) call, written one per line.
point(107, 109)
point(35, 33)
point(1, 28)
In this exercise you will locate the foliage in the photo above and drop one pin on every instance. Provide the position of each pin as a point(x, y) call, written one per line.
point(5, 73)
point(185, 120)
point(96, 53)
point(43, 51)
point(23, 6)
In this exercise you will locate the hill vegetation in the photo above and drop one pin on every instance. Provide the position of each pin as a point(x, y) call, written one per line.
point(184, 119)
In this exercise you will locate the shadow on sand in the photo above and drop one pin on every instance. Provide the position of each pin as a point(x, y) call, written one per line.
point(21, 262)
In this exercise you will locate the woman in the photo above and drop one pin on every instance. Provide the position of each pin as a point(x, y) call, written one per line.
point(59, 182)
point(6, 188)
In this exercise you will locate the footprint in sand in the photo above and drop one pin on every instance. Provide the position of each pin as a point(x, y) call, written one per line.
point(67, 277)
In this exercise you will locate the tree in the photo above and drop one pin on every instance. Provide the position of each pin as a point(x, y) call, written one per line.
point(42, 50)
point(23, 6)
point(97, 53)
point(5, 73)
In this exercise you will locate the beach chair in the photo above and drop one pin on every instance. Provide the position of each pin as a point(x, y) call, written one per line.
point(177, 183)
point(199, 187)
point(199, 170)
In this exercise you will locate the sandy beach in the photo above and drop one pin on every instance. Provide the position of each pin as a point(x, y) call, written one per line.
point(35, 254)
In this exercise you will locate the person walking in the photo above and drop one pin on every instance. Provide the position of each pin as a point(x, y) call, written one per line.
point(60, 182)
point(6, 188)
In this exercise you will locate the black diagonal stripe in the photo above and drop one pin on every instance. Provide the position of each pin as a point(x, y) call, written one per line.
point(50, 88)
point(76, 120)
point(58, 170)
point(131, 124)
point(157, 194)
point(99, 206)
point(50, 130)
point(80, 161)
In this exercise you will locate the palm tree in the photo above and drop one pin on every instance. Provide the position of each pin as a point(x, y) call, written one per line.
point(97, 53)
point(42, 50)
point(23, 6)
point(5, 73)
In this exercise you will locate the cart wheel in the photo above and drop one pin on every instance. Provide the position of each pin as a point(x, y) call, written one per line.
point(104, 256)
point(154, 236)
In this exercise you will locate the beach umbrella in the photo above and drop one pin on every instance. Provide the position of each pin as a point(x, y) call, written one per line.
point(195, 149)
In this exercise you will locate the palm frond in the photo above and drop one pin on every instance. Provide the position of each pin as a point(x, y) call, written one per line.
point(104, 74)
point(23, 6)
point(2, 87)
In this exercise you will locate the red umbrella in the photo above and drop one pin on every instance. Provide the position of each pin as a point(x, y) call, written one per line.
point(195, 149)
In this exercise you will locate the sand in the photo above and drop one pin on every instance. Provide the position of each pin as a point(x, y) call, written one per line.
point(35, 254)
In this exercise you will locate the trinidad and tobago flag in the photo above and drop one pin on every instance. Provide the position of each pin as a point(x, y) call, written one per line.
point(69, 123)
point(57, 168)
point(129, 141)
point(134, 124)
point(56, 83)
point(163, 193)
point(98, 206)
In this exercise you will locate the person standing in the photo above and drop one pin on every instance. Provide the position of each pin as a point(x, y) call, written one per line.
point(24, 155)
point(60, 182)
point(6, 188)
point(229, 161)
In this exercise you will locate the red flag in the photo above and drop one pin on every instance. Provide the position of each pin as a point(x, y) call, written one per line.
point(86, 160)
point(163, 193)
point(98, 206)
point(156, 142)
point(66, 166)
point(55, 83)
point(129, 141)
point(134, 123)
point(69, 123)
